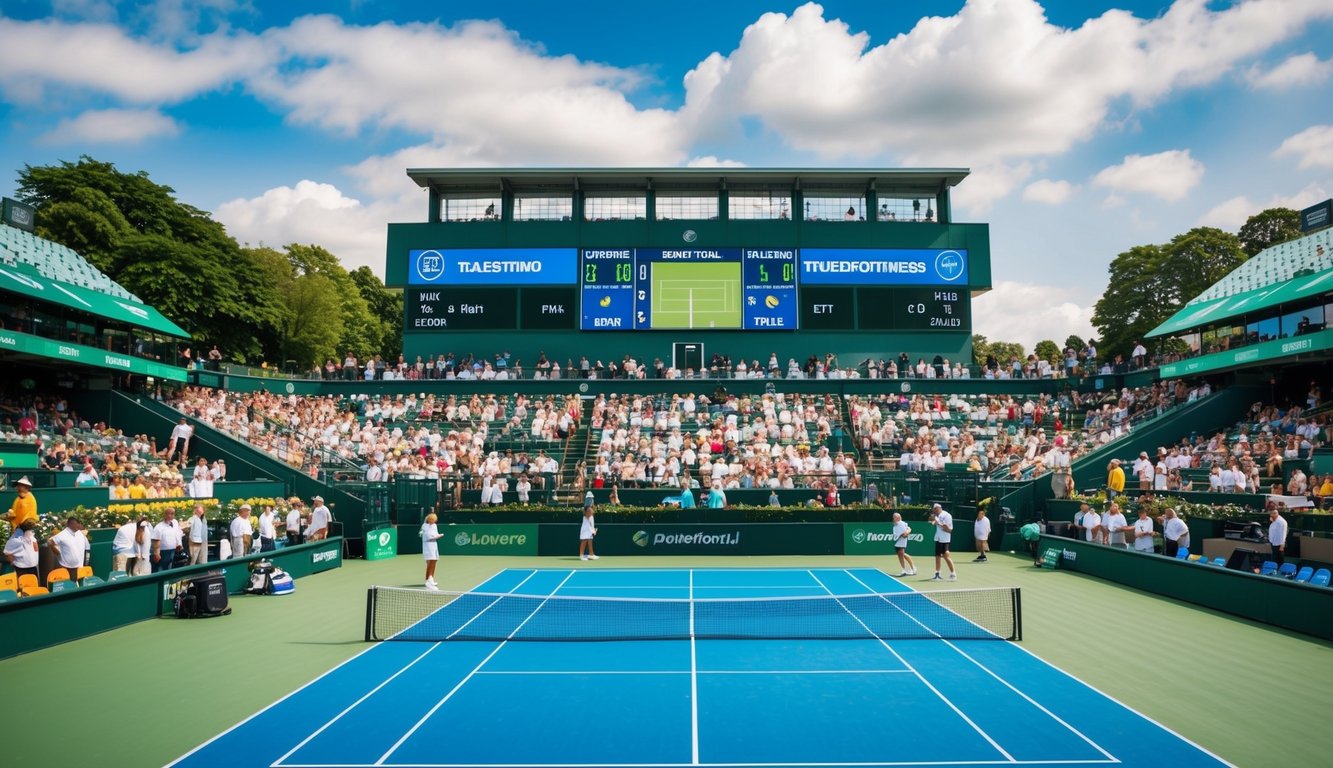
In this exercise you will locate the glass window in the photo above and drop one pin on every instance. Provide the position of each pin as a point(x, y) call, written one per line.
point(1308, 320)
point(835, 208)
point(470, 209)
point(543, 208)
point(759, 206)
point(615, 208)
point(906, 209)
point(686, 206)
point(1262, 330)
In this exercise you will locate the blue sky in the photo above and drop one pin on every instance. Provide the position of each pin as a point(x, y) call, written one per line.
point(1090, 126)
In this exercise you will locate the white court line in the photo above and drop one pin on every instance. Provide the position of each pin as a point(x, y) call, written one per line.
point(330, 671)
point(805, 764)
point(694, 682)
point(700, 672)
point(1002, 681)
point(1008, 757)
point(463, 682)
point(388, 680)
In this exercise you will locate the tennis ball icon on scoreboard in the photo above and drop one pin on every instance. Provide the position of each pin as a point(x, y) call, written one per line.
point(770, 301)
point(605, 302)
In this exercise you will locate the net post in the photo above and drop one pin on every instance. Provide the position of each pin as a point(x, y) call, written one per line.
point(1018, 615)
point(370, 615)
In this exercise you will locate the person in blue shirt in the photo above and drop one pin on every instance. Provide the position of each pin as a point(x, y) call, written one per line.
point(686, 498)
point(716, 498)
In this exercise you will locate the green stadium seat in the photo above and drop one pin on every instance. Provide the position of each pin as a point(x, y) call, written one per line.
point(64, 585)
point(8, 596)
point(117, 576)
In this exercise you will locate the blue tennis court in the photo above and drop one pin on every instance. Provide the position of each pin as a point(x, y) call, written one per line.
point(773, 667)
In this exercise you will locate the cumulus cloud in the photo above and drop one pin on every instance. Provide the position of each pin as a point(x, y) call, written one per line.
point(995, 81)
point(1166, 175)
point(1048, 191)
point(314, 212)
point(1313, 147)
point(45, 55)
point(1231, 214)
point(1301, 70)
point(1030, 312)
point(987, 184)
point(112, 126)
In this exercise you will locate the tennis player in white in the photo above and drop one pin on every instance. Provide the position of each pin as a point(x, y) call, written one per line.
point(430, 548)
point(943, 522)
point(588, 530)
point(901, 531)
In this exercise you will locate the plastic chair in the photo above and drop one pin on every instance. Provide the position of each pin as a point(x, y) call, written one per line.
point(1219, 561)
point(1305, 574)
point(116, 576)
point(1182, 554)
point(90, 581)
point(63, 585)
point(56, 574)
point(9, 581)
point(8, 595)
point(1269, 568)
point(1287, 571)
point(1320, 578)
point(84, 572)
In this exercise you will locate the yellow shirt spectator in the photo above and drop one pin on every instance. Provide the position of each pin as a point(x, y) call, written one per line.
point(1115, 479)
point(138, 491)
point(24, 506)
point(1327, 488)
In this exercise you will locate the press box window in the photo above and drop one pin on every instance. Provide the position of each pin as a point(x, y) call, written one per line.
point(543, 208)
point(615, 208)
point(470, 209)
point(687, 207)
point(759, 207)
point(835, 208)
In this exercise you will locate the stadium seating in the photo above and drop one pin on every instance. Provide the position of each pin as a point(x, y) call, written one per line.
point(1287, 571)
point(1182, 554)
point(9, 581)
point(56, 575)
point(1320, 578)
point(8, 595)
point(1305, 574)
point(1273, 265)
point(1269, 568)
point(56, 262)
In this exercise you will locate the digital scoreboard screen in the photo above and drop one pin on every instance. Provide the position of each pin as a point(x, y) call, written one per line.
point(692, 288)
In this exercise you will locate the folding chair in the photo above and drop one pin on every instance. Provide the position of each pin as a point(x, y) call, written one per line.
point(90, 581)
point(1305, 574)
point(1269, 568)
point(63, 585)
point(117, 576)
point(56, 574)
point(9, 581)
point(1182, 554)
point(84, 572)
point(1320, 578)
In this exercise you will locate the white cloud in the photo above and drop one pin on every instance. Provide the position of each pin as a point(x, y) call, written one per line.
point(1300, 70)
point(1231, 214)
point(712, 161)
point(112, 126)
point(312, 212)
point(1314, 147)
point(1048, 191)
point(45, 55)
point(1166, 175)
point(994, 81)
point(987, 184)
point(1030, 312)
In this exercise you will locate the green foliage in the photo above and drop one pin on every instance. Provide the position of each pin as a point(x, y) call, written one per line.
point(386, 306)
point(315, 321)
point(1005, 351)
point(360, 333)
point(1075, 343)
point(1047, 350)
point(980, 348)
point(1268, 228)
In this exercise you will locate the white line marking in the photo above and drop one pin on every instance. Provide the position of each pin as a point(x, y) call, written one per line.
point(694, 682)
point(463, 682)
point(893, 764)
point(1008, 757)
point(387, 680)
point(330, 671)
point(700, 672)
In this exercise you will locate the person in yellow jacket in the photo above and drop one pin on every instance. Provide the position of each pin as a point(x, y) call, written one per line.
point(1115, 480)
point(24, 506)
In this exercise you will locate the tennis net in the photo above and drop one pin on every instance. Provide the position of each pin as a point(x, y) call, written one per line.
point(396, 613)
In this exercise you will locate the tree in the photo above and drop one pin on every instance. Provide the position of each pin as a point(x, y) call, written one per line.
point(386, 306)
point(1268, 228)
point(1047, 350)
point(1005, 351)
point(314, 322)
point(1075, 343)
point(361, 333)
point(980, 349)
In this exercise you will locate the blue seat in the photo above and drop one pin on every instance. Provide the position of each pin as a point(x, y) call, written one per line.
point(8, 595)
point(1219, 561)
point(1287, 571)
point(1268, 568)
point(1182, 554)
point(1320, 578)
point(1305, 574)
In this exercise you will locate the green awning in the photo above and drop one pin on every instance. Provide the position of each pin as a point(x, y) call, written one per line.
point(125, 311)
point(1212, 312)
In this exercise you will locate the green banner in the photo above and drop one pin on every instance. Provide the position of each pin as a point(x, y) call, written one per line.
point(489, 540)
point(328, 556)
point(61, 350)
point(622, 539)
point(1254, 353)
point(877, 539)
point(382, 544)
point(1051, 557)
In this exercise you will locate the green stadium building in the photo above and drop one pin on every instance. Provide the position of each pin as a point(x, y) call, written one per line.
point(683, 263)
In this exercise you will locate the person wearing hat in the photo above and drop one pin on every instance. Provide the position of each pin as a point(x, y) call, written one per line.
point(588, 529)
point(241, 532)
point(21, 549)
point(71, 547)
point(24, 506)
point(1115, 480)
point(1143, 470)
point(320, 517)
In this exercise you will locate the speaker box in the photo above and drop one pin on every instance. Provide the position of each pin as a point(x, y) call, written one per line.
point(1243, 559)
point(210, 593)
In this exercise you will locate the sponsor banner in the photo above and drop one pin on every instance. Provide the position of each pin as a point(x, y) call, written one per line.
point(1255, 353)
point(493, 266)
point(326, 558)
point(36, 345)
point(620, 540)
point(877, 538)
point(882, 266)
point(1317, 216)
point(470, 539)
point(382, 544)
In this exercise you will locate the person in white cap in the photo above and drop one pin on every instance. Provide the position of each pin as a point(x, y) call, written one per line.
point(241, 532)
point(320, 517)
point(24, 506)
point(943, 523)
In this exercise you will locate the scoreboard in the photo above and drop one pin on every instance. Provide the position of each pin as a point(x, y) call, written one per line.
point(698, 288)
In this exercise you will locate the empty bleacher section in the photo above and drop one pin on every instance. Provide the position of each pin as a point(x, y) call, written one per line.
point(1305, 255)
point(56, 262)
